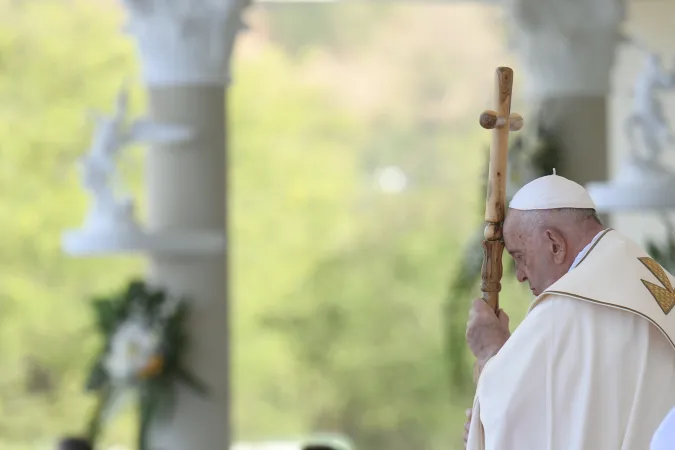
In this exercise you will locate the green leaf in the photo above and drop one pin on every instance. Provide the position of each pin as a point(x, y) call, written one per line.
point(95, 422)
point(191, 381)
point(106, 315)
point(135, 290)
point(147, 409)
point(98, 377)
point(163, 393)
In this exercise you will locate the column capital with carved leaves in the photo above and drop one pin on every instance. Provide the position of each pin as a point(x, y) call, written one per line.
point(185, 42)
point(566, 47)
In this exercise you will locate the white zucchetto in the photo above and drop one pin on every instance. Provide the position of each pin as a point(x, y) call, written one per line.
point(551, 192)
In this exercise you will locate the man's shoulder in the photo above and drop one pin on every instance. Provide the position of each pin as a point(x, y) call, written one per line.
point(564, 308)
point(557, 317)
point(557, 306)
point(566, 329)
point(551, 302)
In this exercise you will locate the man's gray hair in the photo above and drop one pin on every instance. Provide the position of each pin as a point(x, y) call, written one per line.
point(533, 219)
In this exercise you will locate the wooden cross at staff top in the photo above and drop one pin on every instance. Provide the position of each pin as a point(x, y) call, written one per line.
point(501, 122)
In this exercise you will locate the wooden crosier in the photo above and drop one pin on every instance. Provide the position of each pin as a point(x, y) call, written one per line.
point(501, 122)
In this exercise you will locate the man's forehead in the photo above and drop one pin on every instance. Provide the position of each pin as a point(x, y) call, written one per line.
point(512, 235)
point(515, 218)
point(511, 223)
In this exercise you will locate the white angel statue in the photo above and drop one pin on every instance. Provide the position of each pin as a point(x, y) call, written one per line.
point(99, 165)
point(647, 113)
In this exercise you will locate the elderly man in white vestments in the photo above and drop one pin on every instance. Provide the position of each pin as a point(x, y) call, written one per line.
point(592, 365)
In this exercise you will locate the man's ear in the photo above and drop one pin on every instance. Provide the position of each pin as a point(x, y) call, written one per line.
point(557, 245)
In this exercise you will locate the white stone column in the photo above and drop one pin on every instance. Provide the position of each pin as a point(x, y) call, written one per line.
point(185, 49)
point(567, 50)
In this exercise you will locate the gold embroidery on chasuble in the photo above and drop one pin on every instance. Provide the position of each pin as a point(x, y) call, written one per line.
point(665, 294)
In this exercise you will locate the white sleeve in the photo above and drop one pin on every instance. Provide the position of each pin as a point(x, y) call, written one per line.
point(557, 384)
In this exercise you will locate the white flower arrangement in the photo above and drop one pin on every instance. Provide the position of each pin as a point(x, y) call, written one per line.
point(131, 351)
point(144, 345)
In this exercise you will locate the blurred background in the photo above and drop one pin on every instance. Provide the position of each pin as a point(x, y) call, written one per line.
point(356, 188)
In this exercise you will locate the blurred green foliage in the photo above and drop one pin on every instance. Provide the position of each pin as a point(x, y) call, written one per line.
point(338, 288)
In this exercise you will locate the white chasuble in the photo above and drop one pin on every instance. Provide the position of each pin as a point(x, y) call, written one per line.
point(592, 366)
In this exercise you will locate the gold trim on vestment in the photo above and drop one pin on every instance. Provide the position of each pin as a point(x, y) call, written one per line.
point(612, 305)
point(664, 295)
point(593, 246)
point(536, 301)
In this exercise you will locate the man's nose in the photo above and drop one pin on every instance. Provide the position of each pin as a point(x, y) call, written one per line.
point(521, 276)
